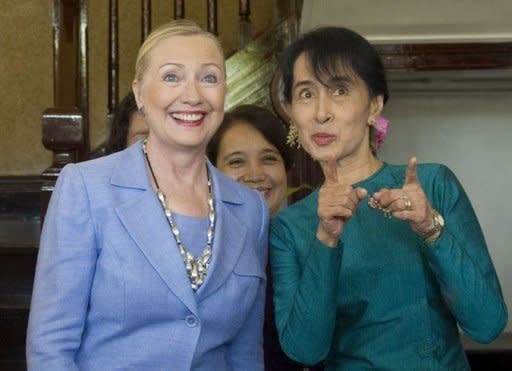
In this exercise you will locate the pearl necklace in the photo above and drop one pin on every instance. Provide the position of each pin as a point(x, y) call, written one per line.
point(196, 267)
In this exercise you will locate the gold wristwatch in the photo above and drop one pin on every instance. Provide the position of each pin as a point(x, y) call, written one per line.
point(438, 227)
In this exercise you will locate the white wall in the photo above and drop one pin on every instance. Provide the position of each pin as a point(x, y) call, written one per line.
point(414, 20)
point(472, 134)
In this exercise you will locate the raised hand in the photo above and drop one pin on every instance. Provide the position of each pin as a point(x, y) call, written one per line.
point(337, 203)
point(409, 202)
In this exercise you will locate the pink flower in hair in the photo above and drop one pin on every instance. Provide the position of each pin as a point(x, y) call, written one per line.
point(381, 131)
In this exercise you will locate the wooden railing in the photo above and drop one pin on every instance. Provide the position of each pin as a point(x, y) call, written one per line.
point(65, 127)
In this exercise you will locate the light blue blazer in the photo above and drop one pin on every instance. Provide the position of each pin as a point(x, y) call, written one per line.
point(111, 291)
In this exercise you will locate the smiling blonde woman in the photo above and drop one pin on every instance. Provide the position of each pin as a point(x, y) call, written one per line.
point(150, 258)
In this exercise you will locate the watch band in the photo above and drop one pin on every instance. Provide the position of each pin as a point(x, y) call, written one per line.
point(438, 226)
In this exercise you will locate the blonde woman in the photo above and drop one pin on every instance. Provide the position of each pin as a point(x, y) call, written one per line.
point(151, 259)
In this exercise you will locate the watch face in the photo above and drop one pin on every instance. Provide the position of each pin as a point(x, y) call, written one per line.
point(438, 219)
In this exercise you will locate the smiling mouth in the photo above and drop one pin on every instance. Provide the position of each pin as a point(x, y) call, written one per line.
point(188, 118)
point(265, 191)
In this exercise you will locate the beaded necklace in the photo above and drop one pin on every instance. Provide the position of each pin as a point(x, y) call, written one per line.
point(196, 267)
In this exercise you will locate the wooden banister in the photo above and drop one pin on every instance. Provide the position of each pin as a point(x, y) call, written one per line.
point(212, 16)
point(179, 9)
point(145, 19)
point(113, 61)
point(245, 23)
point(83, 77)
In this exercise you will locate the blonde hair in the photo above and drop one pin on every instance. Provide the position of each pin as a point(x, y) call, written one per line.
point(178, 27)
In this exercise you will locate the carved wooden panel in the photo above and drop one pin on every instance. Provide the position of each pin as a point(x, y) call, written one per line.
point(445, 57)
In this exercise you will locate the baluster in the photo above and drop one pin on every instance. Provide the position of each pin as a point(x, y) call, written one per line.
point(212, 16)
point(83, 71)
point(245, 23)
point(179, 9)
point(113, 60)
point(65, 44)
point(146, 19)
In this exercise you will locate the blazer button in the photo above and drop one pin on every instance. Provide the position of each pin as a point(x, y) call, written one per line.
point(191, 321)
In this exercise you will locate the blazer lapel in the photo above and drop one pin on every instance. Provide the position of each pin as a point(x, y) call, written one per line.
point(145, 222)
point(230, 234)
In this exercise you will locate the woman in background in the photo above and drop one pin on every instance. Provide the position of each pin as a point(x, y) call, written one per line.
point(150, 258)
point(128, 125)
point(250, 147)
point(379, 266)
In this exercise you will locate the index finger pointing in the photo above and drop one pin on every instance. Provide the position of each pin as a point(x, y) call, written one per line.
point(411, 175)
point(330, 170)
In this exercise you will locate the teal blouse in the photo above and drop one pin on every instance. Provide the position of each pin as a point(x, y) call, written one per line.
point(384, 299)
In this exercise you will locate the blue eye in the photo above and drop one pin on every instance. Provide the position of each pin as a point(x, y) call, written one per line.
point(171, 77)
point(211, 79)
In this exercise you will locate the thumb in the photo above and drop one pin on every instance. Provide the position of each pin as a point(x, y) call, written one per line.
point(411, 175)
point(361, 193)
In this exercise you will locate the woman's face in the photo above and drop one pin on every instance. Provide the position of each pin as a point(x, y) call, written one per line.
point(332, 121)
point(247, 157)
point(182, 91)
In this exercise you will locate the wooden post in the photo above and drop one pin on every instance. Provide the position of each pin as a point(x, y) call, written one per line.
point(145, 19)
point(83, 70)
point(113, 61)
point(179, 9)
point(62, 134)
point(245, 23)
point(212, 17)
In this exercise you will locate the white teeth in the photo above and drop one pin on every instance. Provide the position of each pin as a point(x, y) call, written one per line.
point(261, 190)
point(187, 116)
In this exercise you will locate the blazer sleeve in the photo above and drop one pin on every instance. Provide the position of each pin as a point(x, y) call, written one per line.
point(461, 263)
point(305, 276)
point(64, 272)
point(245, 352)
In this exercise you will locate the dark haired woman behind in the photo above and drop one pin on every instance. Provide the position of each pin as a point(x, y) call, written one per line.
point(128, 125)
point(379, 266)
point(250, 147)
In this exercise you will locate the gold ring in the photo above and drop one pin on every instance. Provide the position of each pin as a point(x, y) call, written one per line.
point(407, 202)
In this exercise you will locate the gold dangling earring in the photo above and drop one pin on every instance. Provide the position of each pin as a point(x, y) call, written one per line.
point(292, 139)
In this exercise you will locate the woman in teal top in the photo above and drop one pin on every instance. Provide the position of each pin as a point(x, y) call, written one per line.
point(379, 267)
